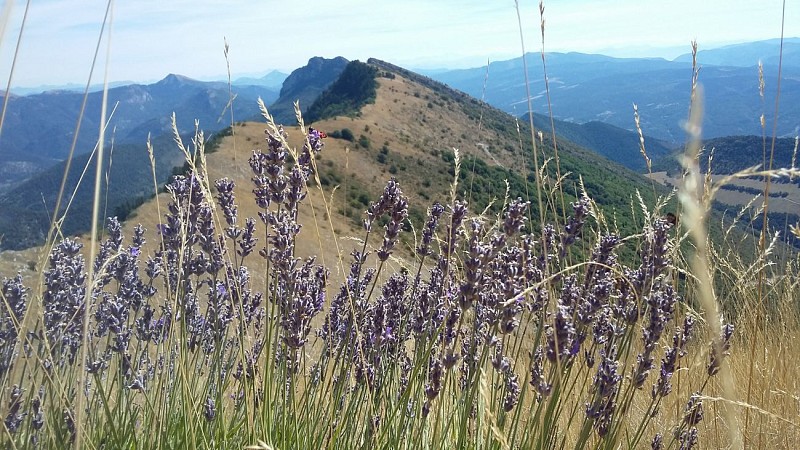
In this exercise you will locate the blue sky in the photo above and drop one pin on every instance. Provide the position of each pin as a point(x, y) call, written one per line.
point(151, 38)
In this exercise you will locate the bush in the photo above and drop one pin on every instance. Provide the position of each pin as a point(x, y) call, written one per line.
point(344, 133)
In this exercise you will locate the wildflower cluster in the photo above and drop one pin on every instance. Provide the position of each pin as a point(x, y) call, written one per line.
point(486, 299)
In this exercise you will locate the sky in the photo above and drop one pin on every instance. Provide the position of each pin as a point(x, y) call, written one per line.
point(148, 39)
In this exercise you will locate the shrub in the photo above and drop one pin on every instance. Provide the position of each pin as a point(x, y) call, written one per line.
point(363, 141)
point(346, 134)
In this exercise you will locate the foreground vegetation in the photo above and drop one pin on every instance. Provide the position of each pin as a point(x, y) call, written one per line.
point(502, 330)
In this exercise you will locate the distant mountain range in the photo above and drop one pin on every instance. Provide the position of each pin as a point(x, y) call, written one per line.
point(585, 88)
point(273, 80)
point(39, 129)
point(736, 153)
point(749, 54)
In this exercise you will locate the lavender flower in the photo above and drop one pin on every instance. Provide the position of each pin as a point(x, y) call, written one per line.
point(562, 339)
point(150, 329)
point(63, 300)
point(37, 412)
point(296, 190)
point(655, 260)
point(348, 308)
point(454, 232)
point(512, 390)
point(693, 412)
point(209, 409)
point(477, 255)
point(268, 170)
point(537, 379)
point(428, 311)
point(108, 248)
point(394, 203)
point(514, 217)
point(669, 362)
point(181, 223)
point(661, 304)
point(598, 283)
point(227, 201)
point(14, 304)
point(435, 373)
point(248, 241)
point(688, 439)
point(606, 385)
point(69, 421)
point(719, 353)
point(434, 214)
point(658, 442)
point(391, 195)
point(14, 418)
point(397, 215)
point(574, 226)
point(393, 303)
point(219, 314)
point(304, 299)
point(312, 147)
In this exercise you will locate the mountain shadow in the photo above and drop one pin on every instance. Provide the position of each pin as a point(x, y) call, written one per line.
point(614, 143)
point(28, 208)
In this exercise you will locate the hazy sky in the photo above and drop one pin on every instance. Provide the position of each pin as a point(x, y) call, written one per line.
point(151, 38)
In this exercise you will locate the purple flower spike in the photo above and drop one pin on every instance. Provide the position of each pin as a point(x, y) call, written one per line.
point(718, 354)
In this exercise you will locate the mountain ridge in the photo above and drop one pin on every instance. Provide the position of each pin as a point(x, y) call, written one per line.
point(41, 127)
point(588, 87)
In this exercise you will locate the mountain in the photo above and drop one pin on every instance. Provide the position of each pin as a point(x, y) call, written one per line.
point(39, 129)
point(354, 88)
point(614, 143)
point(273, 80)
point(749, 54)
point(585, 88)
point(305, 85)
point(74, 87)
point(409, 132)
point(28, 207)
